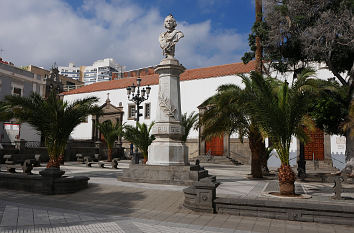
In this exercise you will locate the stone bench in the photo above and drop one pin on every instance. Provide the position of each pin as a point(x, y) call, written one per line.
point(79, 158)
point(14, 162)
point(101, 164)
point(89, 160)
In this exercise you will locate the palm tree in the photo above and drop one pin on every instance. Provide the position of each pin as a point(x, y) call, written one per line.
point(110, 132)
point(54, 118)
point(280, 110)
point(228, 112)
point(188, 122)
point(140, 137)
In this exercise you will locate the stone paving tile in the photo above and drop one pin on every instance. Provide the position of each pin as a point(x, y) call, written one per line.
point(10, 216)
point(25, 217)
point(232, 221)
point(41, 217)
point(202, 220)
point(217, 221)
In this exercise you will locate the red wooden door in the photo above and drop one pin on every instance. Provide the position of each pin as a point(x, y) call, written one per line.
point(215, 146)
point(315, 146)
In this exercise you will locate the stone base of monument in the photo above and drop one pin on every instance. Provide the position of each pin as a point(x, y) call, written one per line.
point(159, 174)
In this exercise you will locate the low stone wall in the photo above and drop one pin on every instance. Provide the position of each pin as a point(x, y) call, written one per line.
point(201, 197)
point(299, 210)
point(40, 184)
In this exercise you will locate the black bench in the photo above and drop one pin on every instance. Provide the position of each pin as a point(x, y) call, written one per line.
point(26, 162)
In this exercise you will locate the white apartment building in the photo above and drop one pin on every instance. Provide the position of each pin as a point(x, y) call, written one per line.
point(70, 71)
point(101, 70)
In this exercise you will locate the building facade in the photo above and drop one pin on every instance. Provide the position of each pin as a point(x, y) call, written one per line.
point(61, 83)
point(70, 71)
point(16, 81)
point(101, 70)
point(196, 86)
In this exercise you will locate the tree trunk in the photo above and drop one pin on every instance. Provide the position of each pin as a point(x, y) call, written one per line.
point(255, 144)
point(258, 53)
point(109, 155)
point(349, 142)
point(53, 162)
point(349, 145)
point(264, 160)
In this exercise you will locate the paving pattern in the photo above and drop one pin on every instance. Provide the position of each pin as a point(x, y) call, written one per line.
point(109, 205)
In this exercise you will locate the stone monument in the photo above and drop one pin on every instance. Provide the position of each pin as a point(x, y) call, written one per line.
point(168, 149)
point(168, 155)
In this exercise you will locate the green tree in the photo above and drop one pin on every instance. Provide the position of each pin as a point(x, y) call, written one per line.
point(281, 112)
point(140, 137)
point(110, 132)
point(54, 118)
point(295, 33)
point(188, 122)
point(227, 112)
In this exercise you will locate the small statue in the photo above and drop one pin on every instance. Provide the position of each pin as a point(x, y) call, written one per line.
point(169, 38)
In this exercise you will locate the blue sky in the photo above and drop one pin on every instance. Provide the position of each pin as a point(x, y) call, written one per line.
point(81, 31)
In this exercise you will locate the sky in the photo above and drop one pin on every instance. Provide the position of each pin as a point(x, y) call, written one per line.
point(41, 32)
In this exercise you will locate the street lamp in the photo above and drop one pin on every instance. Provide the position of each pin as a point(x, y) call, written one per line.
point(138, 96)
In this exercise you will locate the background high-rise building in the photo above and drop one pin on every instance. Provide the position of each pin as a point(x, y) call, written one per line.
point(70, 71)
point(99, 71)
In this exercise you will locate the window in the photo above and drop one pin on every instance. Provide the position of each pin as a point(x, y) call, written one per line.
point(17, 91)
point(147, 110)
point(131, 112)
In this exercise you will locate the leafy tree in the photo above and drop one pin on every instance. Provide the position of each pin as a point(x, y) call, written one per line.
point(188, 122)
point(297, 32)
point(227, 112)
point(140, 136)
point(54, 118)
point(329, 108)
point(110, 132)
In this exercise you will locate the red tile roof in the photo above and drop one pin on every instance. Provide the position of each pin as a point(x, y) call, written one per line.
point(200, 73)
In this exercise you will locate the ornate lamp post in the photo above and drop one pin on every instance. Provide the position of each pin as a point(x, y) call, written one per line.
point(137, 96)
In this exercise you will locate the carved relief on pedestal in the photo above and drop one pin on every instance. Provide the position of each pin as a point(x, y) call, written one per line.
point(162, 128)
point(166, 106)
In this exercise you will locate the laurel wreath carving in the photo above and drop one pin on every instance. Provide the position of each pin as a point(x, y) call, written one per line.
point(166, 106)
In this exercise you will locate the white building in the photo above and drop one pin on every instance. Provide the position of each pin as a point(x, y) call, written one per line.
point(70, 71)
point(101, 70)
point(196, 86)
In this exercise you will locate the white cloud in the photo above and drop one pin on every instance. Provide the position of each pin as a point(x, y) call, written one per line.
point(43, 32)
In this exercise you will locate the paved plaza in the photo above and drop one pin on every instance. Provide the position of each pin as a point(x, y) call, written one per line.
point(109, 205)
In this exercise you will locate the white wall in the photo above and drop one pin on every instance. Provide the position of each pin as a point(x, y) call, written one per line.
point(193, 93)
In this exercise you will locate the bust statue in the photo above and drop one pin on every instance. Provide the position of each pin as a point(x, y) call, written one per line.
point(169, 38)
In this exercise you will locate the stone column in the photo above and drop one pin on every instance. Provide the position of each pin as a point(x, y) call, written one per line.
point(167, 148)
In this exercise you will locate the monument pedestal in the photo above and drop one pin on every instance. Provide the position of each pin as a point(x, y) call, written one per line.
point(161, 174)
